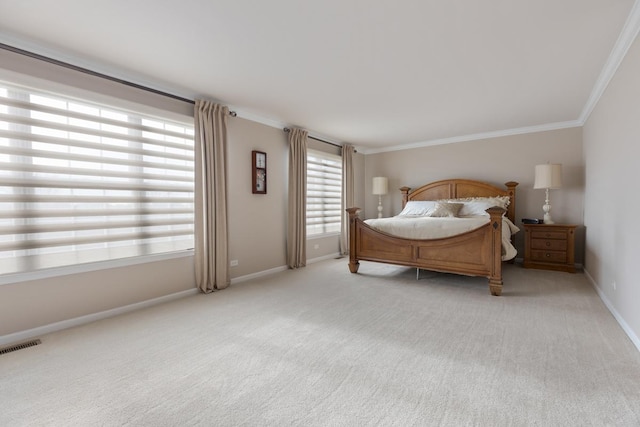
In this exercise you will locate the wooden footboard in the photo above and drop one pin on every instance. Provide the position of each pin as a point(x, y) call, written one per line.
point(474, 253)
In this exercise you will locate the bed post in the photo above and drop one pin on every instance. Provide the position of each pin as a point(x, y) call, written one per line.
point(405, 195)
point(353, 261)
point(495, 277)
point(511, 210)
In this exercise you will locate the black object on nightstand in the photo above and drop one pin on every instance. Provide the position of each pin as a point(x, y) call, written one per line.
point(532, 221)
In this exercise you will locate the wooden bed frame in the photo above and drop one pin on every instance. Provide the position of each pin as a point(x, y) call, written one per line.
point(474, 253)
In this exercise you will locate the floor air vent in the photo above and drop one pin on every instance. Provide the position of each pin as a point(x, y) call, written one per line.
point(20, 346)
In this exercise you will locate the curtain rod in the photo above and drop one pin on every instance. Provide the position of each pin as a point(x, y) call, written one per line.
point(97, 74)
point(287, 130)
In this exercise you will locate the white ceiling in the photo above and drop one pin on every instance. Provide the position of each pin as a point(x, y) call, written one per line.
point(376, 73)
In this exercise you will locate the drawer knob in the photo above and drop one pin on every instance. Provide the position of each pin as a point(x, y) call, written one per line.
point(548, 243)
point(547, 254)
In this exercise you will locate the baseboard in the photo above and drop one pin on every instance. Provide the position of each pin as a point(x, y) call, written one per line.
point(279, 269)
point(324, 258)
point(520, 261)
point(258, 274)
point(82, 320)
point(625, 327)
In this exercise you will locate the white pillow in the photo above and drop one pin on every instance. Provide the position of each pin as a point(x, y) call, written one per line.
point(474, 206)
point(418, 208)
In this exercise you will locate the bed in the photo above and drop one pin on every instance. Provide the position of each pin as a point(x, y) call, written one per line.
point(477, 252)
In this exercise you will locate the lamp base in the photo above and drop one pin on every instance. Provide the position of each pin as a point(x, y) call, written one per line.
point(379, 206)
point(547, 208)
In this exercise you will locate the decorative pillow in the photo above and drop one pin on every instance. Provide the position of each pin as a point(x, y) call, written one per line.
point(418, 207)
point(445, 209)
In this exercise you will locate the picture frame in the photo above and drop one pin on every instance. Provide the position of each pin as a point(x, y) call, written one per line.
point(258, 172)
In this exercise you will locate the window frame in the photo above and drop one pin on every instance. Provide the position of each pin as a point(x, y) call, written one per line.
point(326, 167)
point(105, 262)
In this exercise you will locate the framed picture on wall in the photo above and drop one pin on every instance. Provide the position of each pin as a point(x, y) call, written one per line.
point(259, 172)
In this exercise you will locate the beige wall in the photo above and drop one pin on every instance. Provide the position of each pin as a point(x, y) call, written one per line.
point(611, 147)
point(257, 222)
point(36, 303)
point(494, 160)
point(359, 165)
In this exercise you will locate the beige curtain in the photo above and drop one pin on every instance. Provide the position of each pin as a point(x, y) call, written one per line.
point(297, 219)
point(348, 187)
point(211, 243)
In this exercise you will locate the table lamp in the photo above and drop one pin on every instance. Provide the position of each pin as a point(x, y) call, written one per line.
point(380, 187)
point(548, 176)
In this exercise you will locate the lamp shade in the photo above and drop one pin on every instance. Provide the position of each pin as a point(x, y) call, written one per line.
point(380, 185)
point(548, 176)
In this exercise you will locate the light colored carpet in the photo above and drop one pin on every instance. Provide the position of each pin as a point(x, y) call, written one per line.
point(323, 347)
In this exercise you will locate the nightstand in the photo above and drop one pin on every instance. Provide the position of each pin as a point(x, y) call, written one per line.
point(550, 247)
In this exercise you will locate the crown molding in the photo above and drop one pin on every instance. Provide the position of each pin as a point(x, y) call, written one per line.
point(626, 38)
point(475, 136)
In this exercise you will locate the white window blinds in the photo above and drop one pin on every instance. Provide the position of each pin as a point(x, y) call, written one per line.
point(82, 183)
point(324, 189)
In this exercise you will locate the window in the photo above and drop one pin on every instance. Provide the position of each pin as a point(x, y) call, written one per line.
point(82, 183)
point(324, 190)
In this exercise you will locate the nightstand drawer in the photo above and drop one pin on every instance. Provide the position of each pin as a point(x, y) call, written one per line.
point(550, 245)
point(549, 256)
point(548, 235)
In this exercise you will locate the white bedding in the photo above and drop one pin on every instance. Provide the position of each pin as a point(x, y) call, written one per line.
point(424, 227)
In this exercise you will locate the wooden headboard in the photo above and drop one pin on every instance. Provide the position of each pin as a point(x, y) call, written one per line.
point(460, 188)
